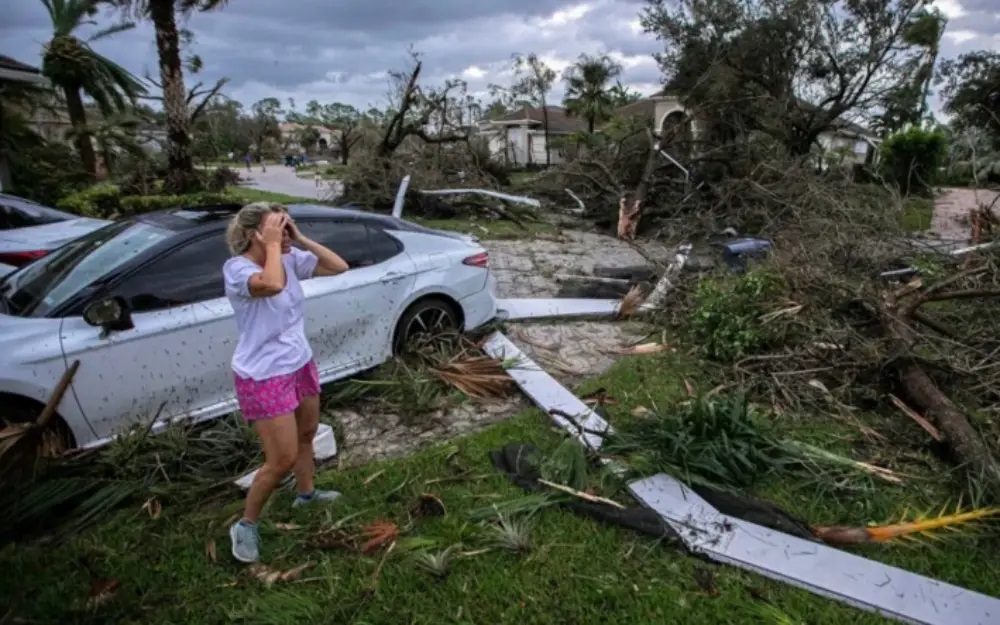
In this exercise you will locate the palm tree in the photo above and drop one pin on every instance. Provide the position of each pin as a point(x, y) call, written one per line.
point(588, 94)
point(163, 14)
point(75, 68)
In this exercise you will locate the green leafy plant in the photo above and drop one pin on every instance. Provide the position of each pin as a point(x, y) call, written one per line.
point(727, 318)
point(712, 441)
point(912, 158)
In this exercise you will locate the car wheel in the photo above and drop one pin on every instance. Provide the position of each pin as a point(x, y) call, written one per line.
point(427, 318)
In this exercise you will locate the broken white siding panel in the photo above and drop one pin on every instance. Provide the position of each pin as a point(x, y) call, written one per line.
point(516, 309)
point(324, 448)
point(548, 394)
point(812, 566)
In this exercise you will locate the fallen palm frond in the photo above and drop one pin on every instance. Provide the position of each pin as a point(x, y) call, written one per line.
point(269, 576)
point(815, 455)
point(475, 375)
point(923, 525)
point(183, 463)
point(643, 348)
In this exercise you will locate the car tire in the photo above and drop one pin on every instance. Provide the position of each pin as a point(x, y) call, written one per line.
point(58, 437)
point(429, 316)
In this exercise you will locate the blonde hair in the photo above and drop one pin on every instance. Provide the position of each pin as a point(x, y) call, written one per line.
point(239, 233)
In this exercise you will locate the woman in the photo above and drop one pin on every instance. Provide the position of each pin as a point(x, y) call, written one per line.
point(277, 384)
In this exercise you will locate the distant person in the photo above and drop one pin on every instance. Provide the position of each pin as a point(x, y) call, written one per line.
point(277, 384)
point(318, 177)
point(246, 160)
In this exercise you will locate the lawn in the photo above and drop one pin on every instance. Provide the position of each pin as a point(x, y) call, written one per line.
point(577, 571)
point(917, 214)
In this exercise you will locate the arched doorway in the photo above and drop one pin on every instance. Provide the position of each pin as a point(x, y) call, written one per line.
point(676, 134)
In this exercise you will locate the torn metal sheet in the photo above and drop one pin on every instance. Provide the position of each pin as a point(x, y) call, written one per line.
point(812, 566)
point(397, 206)
point(543, 308)
point(324, 448)
point(548, 394)
point(517, 199)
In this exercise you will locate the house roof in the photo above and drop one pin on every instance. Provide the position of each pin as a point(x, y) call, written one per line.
point(8, 63)
point(646, 107)
point(559, 119)
point(16, 71)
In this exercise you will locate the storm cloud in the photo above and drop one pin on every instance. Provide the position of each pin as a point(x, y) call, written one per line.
point(340, 51)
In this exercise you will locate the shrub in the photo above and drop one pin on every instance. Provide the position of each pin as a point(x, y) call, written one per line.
point(99, 201)
point(107, 202)
point(911, 159)
point(46, 172)
point(727, 313)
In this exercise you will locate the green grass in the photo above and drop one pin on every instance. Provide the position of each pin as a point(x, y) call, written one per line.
point(917, 214)
point(257, 195)
point(579, 571)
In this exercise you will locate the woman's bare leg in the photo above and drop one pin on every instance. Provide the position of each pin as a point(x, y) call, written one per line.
point(307, 420)
point(279, 438)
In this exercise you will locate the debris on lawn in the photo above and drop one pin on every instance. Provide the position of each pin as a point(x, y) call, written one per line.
point(378, 534)
point(102, 591)
point(269, 576)
point(813, 566)
point(428, 505)
point(437, 564)
point(510, 534)
point(925, 526)
point(548, 394)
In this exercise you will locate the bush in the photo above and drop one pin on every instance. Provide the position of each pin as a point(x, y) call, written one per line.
point(47, 172)
point(727, 313)
point(911, 159)
point(107, 202)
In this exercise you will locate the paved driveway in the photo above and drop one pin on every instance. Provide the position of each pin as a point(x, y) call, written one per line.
point(281, 179)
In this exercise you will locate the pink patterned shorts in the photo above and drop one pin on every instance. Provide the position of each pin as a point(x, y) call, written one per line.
point(273, 397)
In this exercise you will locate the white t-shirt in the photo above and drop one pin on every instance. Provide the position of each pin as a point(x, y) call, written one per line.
point(272, 336)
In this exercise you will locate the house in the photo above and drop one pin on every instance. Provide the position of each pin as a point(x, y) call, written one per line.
point(11, 72)
point(846, 143)
point(291, 137)
point(519, 137)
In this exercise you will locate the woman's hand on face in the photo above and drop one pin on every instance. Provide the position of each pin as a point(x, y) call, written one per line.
point(272, 228)
point(293, 230)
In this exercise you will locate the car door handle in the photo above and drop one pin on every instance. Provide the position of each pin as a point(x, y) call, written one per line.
point(392, 276)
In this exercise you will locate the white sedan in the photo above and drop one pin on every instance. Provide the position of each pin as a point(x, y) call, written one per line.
point(140, 304)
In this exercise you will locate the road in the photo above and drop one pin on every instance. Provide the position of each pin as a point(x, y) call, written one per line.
point(281, 179)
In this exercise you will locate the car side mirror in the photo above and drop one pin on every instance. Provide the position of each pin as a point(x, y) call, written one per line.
point(109, 313)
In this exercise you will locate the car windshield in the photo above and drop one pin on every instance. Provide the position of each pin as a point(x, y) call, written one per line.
point(50, 281)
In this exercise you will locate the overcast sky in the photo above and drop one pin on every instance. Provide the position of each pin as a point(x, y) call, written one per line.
point(339, 50)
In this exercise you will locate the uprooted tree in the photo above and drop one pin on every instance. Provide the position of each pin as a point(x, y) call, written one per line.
point(425, 133)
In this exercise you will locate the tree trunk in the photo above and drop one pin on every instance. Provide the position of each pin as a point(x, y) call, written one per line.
point(545, 124)
point(345, 153)
point(180, 175)
point(590, 125)
point(78, 118)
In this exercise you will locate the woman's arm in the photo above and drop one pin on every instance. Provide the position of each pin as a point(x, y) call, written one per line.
point(272, 280)
point(329, 262)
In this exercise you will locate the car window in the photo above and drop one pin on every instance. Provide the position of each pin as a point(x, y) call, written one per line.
point(349, 239)
point(16, 214)
point(52, 280)
point(383, 246)
point(185, 275)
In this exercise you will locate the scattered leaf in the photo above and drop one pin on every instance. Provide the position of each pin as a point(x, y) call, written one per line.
point(689, 388)
point(153, 508)
point(287, 526)
point(374, 476)
point(428, 504)
point(101, 591)
point(378, 534)
point(210, 551)
point(269, 576)
point(640, 411)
